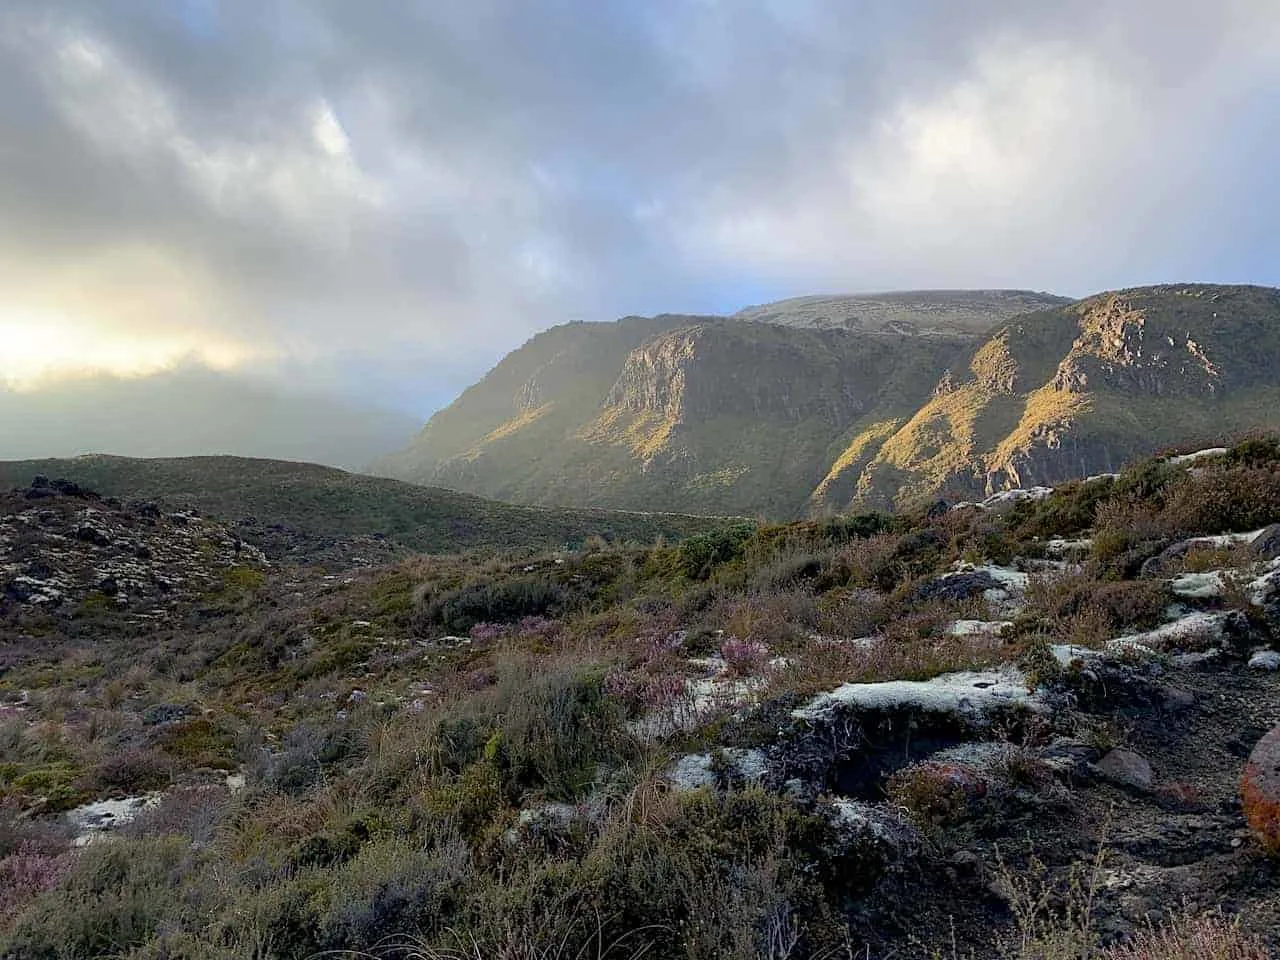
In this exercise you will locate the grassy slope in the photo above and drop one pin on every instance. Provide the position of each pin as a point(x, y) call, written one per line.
point(417, 812)
point(324, 502)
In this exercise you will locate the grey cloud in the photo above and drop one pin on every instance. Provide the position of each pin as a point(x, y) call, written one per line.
point(515, 164)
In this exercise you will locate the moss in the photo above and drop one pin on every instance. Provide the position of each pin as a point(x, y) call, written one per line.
point(243, 579)
point(199, 742)
point(57, 783)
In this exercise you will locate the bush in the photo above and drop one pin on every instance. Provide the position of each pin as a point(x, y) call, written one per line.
point(114, 897)
point(1087, 610)
point(1071, 509)
point(1200, 938)
point(699, 555)
point(496, 602)
point(1220, 501)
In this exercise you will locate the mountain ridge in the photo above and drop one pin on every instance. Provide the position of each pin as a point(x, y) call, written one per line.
point(760, 416)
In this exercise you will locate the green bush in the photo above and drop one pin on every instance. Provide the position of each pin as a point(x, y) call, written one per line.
point(700, 554)
point(114, 898)
point(496, 602)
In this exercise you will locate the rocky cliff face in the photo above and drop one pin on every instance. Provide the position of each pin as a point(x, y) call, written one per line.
point(826, 404)
point(757, 370)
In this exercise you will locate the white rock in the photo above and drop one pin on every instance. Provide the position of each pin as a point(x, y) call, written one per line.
point(1198, 455)
point(697, 769)
point(1199, 586)
point(1265, 660)
point(93, 820)
point(978, 628)
point(1195, 658)
point(1261, 589)
point(1200, 628)
point(1059, 548)
point(973, 695)
point(1228, 539)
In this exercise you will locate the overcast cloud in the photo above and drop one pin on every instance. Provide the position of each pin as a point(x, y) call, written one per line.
point(383, 197)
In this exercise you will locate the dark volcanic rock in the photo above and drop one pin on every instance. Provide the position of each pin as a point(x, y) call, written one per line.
point(1127, 768)
point(958, 586)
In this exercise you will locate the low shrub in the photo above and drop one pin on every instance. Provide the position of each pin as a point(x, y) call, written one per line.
point(1192, 938)
point(501, 601)
point(114, 897)
point(699, 555)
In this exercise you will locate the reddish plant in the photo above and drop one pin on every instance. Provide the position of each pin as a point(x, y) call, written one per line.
point(743, 657)
point(26, 874)
point(643, 692)
point(1260, 791)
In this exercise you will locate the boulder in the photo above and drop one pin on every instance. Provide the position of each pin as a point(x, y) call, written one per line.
point(1260, 791)
point(958, 586)
point(1160, 565)
point(91, 534)
point(159, 714)
point(1266, 545)
point(1265, 660)
point(870, 839)
point(1126, 768)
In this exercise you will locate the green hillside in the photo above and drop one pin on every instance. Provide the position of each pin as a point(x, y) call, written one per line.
point(317, 505)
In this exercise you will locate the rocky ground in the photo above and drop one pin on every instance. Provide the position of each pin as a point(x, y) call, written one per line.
point(61, 547)
point(1118, 771)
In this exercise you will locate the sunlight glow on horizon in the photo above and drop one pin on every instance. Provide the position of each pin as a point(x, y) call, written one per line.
point(36, 349)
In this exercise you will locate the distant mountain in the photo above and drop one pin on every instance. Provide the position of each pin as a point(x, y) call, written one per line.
point(305, 512)
point(824, 404)
point(191, 411)
point(916, 311)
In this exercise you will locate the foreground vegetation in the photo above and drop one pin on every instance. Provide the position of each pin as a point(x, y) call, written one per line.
point(470, 755)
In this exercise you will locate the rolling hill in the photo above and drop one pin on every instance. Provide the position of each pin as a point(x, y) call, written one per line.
point(305, 511)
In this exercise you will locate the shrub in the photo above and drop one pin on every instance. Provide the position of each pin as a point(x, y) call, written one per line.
point(1259, 451)
point(1087, 611)
point(936, 793)
point(27, 873)
point(496, 602)
point(129, 771)
point(1071, 509)
point(113, 898)
point(744, 657)
point(391, 885)
point(787, 571)
point(199, 742)
point(556, 728)
point(698, 555)
point(1186, 938)
point(1219, 501)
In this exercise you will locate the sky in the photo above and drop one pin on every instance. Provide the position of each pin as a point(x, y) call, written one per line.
point(379, 199)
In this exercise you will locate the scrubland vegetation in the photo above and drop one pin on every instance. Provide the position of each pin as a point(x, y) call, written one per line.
point(470, 755)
